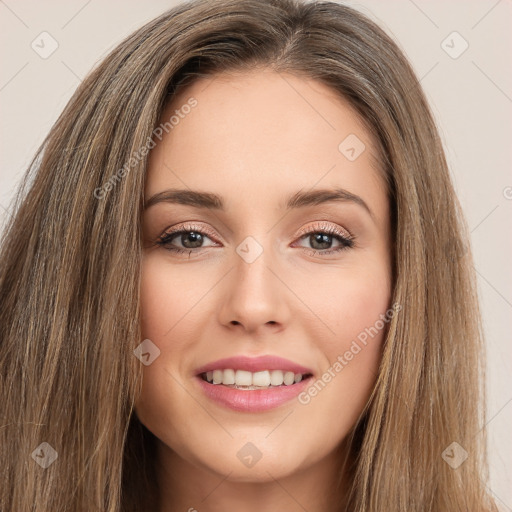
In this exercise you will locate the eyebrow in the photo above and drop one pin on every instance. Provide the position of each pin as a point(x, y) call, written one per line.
point(300, 199)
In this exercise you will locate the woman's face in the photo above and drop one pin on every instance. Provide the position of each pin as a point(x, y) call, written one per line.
point(278, 269)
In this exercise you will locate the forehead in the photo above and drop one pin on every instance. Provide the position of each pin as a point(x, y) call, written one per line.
point(262, 132)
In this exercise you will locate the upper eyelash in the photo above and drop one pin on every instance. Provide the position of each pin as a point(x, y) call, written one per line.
point(186, 228)
point(347, 242)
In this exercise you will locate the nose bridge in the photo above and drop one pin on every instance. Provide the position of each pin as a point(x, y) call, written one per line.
point(255, 296)
point(253, 261)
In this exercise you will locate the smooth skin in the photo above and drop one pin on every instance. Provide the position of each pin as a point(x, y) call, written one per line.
point(255, 139)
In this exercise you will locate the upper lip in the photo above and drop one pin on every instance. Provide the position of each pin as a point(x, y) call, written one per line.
point(254, 364)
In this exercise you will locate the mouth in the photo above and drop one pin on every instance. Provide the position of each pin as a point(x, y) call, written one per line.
point(246, 384)
point(251, 381)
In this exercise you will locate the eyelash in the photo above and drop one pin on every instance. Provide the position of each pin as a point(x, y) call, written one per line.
point(346, 242)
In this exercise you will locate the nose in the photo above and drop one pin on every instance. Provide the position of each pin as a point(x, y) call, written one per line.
point(254, 298)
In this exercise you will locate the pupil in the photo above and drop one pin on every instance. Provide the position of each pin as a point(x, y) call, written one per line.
point(321, 238)
point(195, 238)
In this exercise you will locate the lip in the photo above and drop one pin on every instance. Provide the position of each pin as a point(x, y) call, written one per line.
point(255, 400)
point(254, 364)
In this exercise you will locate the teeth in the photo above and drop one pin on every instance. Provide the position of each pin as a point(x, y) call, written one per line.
point(276, 378)
point(228, 377)
point(242, 378)
point(263, 379)
point(289, 378)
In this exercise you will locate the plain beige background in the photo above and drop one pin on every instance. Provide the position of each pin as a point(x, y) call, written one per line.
point(470, 92)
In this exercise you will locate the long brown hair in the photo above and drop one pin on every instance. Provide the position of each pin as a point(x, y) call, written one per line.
point(71, 256)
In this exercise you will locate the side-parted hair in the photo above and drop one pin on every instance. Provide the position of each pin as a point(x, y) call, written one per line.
point(71, 255)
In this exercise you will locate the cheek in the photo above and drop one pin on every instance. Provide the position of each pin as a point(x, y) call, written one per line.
point(348, 304)
point(155, 300)
point(356, 309)
point(169, 295)
point(165, 299)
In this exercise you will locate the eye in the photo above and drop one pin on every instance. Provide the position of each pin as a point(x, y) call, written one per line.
point(190, 237)
point(322, 236)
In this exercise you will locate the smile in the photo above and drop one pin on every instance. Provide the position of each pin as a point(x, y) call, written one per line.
point(252, 384)
point(241, 379)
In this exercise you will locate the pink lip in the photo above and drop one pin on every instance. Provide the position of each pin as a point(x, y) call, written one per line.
point(254, 364)
point(255, 400)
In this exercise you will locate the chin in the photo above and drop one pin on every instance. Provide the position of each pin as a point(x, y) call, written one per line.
point(268, 468)
point(252, 458)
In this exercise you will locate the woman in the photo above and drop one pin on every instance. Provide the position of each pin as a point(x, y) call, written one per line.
point(239, 277)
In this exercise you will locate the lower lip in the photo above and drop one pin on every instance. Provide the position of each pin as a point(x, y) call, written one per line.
point(254, 400)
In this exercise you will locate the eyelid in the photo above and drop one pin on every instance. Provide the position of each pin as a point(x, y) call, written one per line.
point(341, 234)
point(319, 225)
point(189, 226)
point(326, 226)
